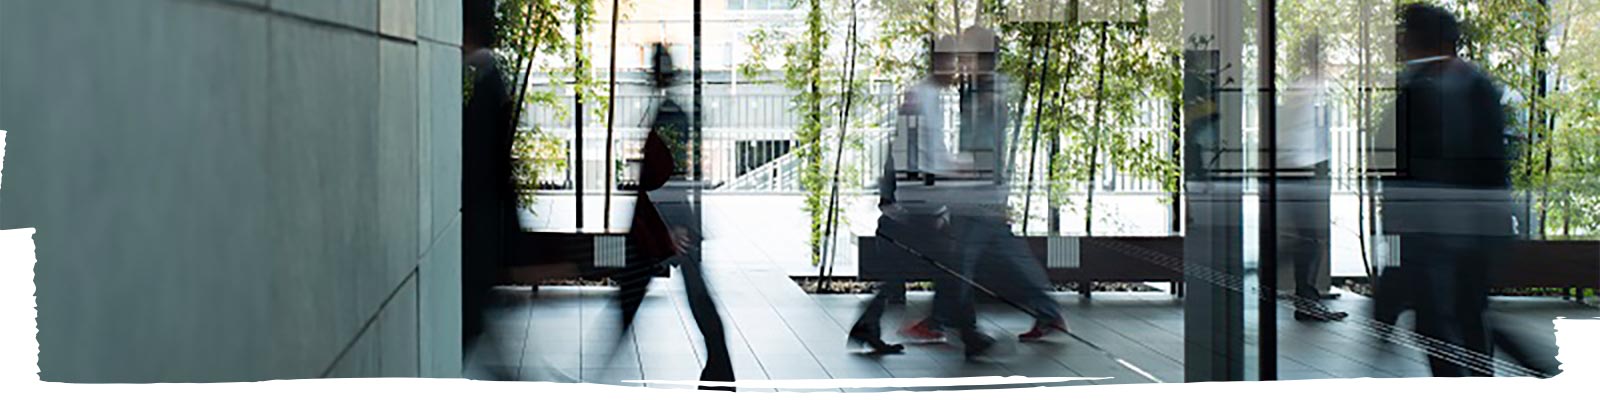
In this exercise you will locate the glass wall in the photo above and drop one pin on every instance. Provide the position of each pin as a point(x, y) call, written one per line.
point(1232, 189)
point(1404, 217)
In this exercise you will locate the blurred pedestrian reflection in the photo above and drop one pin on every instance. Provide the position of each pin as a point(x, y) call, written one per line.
point(958, 216)
point(1303, 153)
point(986, 237)
point(1450, 201)
point(915, 217)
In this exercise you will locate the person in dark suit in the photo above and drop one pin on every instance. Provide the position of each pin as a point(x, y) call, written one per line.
point(488, 195)
point(665, 229)
point(1450, 200)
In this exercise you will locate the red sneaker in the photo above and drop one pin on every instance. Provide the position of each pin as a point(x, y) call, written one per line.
point(1042, 329)
point(922, 331)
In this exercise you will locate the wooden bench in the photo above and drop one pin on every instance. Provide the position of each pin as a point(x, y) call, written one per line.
point(1573, 265)
point(540, 256)
point(1550, 264)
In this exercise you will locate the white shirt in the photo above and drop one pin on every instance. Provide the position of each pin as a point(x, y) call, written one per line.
point(1303, 127)
point(934, 156)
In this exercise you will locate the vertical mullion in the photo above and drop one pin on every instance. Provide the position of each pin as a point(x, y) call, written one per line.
point(1266, 129)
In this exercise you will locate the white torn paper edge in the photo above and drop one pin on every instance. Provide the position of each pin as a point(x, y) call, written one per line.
point(872, 383)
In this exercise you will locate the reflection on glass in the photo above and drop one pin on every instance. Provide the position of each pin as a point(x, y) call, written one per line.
point(1092, 146)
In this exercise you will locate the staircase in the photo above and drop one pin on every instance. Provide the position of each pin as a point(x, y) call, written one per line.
point(782, 174)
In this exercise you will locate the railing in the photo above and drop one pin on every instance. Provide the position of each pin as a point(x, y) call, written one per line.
point(1345, 140)
point(744, 136)
point(1153, 124)
point(775, 176)
point(763, 124)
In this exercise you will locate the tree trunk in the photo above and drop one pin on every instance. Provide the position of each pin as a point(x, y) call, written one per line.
point(1094, 140)
point(611, 114)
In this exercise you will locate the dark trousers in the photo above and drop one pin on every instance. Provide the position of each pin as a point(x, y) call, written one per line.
point(1305, 250)
point(920, 233)
point(634, 283)
point(870, 323)
point(1445, 279)
point(988, 252)
point(482, 261)
point(953, 301)
point(1449, 287)
point(1303, 226)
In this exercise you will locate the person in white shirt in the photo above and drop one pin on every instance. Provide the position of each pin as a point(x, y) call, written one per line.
point(919, 216)
point(973, 195)
point(1303, 154)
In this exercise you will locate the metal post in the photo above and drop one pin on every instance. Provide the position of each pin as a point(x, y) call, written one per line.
point(1094, 141)
point(1214, 329)
point(1033, 148)
point(1267, 129)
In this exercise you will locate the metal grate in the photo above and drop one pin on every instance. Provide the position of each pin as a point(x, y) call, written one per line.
point(1063, 252)
point(1389, 251)
point(610, 251)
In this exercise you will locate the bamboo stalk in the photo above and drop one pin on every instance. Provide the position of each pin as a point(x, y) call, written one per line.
point(830, 232)
point(1094, 142)
point(525, 63)
point(611, 118)
point(1038, 113)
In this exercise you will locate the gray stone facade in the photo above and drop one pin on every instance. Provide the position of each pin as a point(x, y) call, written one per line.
point(229, 190)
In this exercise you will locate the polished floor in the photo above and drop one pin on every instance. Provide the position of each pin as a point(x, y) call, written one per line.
point(776, 331)
point(569, 334)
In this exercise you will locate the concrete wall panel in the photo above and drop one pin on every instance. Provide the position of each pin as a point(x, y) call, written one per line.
point(230, 190)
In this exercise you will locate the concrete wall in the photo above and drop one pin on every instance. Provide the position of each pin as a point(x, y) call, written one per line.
point(231, 190)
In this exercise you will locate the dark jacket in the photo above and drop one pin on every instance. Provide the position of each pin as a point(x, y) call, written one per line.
point(1451, 127)
point(488, 195)
point(1452, 158)
point(650, 234)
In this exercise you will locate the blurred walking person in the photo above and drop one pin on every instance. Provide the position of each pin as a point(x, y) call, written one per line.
point(916, 216)
point(998, 258)
point(1303, 154)
point(974, 195)
point(665, 229)
point(1451, 199)
point(488, 195)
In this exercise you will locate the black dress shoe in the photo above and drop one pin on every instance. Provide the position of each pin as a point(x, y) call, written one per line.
point(861, 335)
point(976, 343)
point(717, 372)
point(1321, 316)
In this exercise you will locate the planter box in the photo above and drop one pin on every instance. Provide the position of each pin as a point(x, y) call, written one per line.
point(1065, 259)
